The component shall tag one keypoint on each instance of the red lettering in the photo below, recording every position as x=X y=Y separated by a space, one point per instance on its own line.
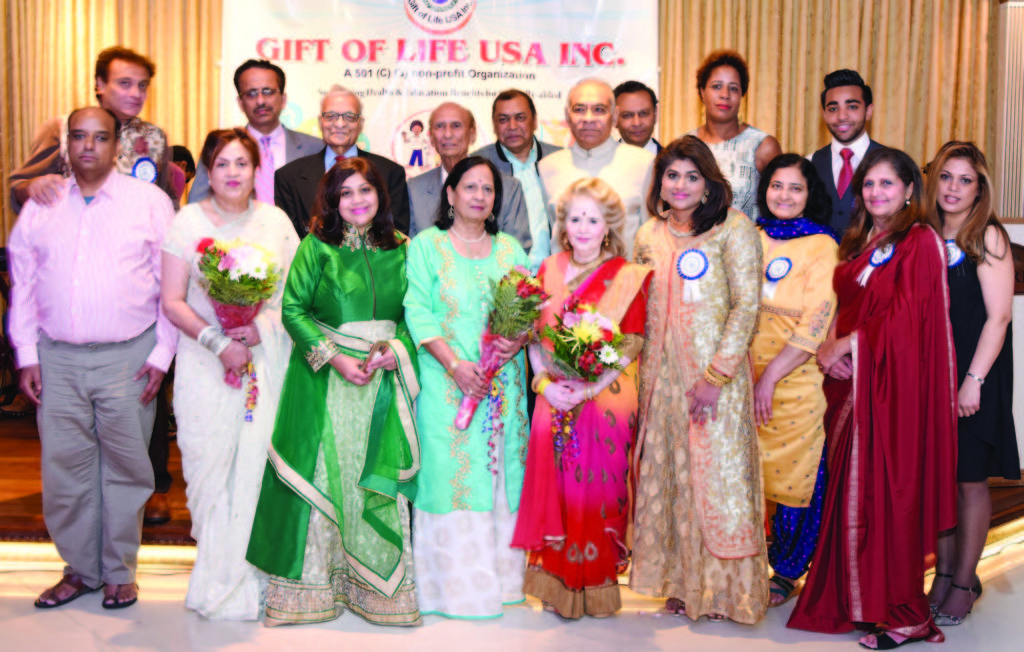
x=512 y=52
x=353 y=50
x=485 y=56
x=376 y=47
x=267 y=48
x=599 y=54
x=457 y=52
x=535 y=55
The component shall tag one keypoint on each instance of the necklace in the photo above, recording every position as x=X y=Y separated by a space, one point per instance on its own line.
x=231 y=217
x=465 y=239
x=678 y=234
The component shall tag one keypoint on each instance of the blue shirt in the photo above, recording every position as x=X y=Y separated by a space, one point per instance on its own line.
x=526 y=174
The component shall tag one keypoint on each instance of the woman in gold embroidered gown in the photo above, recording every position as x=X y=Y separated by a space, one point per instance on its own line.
x=699 y=535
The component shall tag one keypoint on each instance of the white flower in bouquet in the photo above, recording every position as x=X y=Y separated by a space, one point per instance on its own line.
x=608 y=355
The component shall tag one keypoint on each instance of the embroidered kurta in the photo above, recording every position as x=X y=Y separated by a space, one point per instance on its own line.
x=332 y=525
x=699 y=514
x=449 y=296
x=796 y=312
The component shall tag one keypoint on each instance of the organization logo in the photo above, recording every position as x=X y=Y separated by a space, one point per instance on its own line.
x=440 y=16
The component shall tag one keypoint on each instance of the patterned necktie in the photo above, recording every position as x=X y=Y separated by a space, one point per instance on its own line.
x=846 y=173
x=265 y=173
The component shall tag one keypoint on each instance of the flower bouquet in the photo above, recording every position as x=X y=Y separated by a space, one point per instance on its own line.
x=517 y=300
x=238 y=278
x=585 y=342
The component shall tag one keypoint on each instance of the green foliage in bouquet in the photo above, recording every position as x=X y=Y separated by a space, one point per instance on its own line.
x=517 y=298
x=237 y=274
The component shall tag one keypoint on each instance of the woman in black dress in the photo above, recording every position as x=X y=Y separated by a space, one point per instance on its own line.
x=980 y=300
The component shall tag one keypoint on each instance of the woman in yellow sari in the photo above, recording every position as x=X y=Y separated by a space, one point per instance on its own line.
x=797 y=304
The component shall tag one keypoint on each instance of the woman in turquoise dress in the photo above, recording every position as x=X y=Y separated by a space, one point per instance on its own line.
x=469 y=485
x=332 y=524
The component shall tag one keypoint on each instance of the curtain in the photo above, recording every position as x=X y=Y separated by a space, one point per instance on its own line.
x=50 y=49
x=931 y=65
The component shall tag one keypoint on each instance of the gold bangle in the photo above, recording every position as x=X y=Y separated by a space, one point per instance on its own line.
x=715 y=378
x=452 y=366
x=537 y=381
x=540 y=386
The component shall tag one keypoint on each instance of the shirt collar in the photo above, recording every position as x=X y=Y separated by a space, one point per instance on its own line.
x=276 y=136
x=108 y=188
x=859 y=146
x=603 y=149
x=330 y=156
x=531 y=158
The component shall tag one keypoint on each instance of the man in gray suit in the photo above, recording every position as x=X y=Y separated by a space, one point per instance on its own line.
x=260 y=86
x=516 y=154
x=452 y=130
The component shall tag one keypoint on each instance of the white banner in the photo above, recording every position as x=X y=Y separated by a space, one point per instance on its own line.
x=404 y=57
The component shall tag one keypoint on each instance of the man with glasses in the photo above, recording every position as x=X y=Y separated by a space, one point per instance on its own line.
x=341 y=122
x=261 y=97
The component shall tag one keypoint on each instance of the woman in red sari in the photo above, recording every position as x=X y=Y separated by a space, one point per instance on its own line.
x=891 y=417
x=575 y=501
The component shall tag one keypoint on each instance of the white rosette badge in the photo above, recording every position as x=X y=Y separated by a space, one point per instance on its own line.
x=777 y=270
x=881 y=256
x=145 y=169
x=954 y=254
x=692 y=264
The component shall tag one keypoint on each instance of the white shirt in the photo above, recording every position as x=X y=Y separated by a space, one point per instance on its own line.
x=859 y=147
x=277 y=145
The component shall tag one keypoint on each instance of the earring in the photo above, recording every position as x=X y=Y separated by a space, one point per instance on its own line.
x=907 y=203
x=704 y=199
x=607 y=239
x=451 y=213
x=491 y=218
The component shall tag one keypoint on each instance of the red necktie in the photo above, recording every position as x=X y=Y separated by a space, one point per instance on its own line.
x=846 y=173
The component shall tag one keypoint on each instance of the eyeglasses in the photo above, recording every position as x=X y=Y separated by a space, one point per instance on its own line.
x=256 y=92
x=331 y=117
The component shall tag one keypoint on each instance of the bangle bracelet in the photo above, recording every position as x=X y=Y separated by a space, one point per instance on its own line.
x=538 y=379
x=540 y=386
x=212 y=339
x=981 y=381
x=452 y=366
x=715 y=377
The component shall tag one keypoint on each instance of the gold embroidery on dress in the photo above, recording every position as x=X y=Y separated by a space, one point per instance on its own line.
x=819 y=322
x=321 y=353
x=353 y=241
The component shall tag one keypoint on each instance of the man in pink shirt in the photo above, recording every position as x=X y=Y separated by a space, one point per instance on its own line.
x=93 y=345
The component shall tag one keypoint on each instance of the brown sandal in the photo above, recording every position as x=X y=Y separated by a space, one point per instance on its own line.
x=675 y=606
x=116 y=601
x=72 y=580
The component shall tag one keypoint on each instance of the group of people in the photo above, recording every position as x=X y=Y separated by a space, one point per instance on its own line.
x=822 y=341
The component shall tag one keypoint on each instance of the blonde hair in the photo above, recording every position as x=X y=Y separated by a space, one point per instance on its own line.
x=611 y=209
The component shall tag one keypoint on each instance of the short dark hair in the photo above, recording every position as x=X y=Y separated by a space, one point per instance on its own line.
x=819 y=204
x=511 y=94
x=327 y=223
x=690 y=148
x=444 y=221
x=846 y=77
x=263 y=64
x=106 y=57
x=181 y=153
x=415 y=123
x=720 y=58
x=218 y=139
x=117 y=122
x=633 y=86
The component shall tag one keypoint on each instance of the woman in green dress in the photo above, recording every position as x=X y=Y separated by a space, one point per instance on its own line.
x=470 y=482
x=332 y=524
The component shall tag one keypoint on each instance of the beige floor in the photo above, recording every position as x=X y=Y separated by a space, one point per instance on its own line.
x=160 y=622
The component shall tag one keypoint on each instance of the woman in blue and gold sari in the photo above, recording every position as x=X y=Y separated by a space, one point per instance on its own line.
x=332 y=524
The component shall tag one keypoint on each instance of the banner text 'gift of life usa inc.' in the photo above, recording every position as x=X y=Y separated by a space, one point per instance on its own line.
x=404 y=57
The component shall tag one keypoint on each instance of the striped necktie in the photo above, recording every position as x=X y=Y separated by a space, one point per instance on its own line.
x=265 y=173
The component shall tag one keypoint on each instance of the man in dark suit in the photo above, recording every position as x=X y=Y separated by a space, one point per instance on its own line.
x=638 y=114
x=846 y=106
x=452 y=130
x=261 y=97
x=341 y=122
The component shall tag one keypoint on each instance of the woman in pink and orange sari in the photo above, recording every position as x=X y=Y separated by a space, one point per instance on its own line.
x=576 y=497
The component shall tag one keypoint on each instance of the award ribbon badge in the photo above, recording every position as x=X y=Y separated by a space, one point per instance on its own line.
x=777 y=270
x=692 y=264
x=881 y=256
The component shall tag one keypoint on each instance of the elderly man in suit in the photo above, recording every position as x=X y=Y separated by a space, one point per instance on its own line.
x=591 y=114
x=341 y=122
x=452 y=130
x=261 y=96
x=846 y=106
x=516 y=153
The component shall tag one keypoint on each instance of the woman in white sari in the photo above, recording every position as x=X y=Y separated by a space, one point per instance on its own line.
x=223 y=454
